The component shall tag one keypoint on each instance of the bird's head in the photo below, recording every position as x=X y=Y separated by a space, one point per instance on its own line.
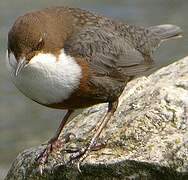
x=34 y=34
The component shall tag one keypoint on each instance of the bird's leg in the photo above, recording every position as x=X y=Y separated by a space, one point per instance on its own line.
x=53 y=143
x=112 y=106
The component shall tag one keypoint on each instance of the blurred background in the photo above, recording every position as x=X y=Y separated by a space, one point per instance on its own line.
x=23 y=123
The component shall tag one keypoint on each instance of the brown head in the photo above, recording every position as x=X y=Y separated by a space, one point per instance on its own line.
x=40 y=31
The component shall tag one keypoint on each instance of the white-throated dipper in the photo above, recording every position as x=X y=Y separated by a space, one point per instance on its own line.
x=68 y=58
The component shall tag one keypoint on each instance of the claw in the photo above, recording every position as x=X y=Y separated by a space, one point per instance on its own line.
x=78 y=167
x=41 y=167
x=53 y=147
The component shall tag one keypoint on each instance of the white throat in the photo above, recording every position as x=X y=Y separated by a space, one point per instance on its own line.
x=47 y=79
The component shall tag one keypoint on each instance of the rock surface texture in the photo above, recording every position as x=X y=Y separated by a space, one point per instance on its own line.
x=147 y=138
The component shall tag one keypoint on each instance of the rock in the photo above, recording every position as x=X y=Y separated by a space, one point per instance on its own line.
x=147 y=138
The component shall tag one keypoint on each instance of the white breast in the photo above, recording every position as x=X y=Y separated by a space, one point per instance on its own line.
x=46 y=79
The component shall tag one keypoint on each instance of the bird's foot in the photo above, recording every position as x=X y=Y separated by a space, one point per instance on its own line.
x=80 y=154
x=53 y=148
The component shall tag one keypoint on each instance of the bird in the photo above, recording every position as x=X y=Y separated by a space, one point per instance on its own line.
x=70 y=58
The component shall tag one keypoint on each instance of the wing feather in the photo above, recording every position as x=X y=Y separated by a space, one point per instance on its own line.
x=108 y=53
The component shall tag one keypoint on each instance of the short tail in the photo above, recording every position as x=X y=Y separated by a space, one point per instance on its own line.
x=167 y=31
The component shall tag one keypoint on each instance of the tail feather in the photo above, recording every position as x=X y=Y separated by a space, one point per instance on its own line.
x=167 y=31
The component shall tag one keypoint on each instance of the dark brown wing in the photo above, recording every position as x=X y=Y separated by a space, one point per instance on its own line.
x=108 y=53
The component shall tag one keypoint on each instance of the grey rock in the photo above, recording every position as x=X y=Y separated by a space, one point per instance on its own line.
x=147 y=138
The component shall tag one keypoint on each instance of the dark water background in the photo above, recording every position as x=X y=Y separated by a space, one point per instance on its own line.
x=23 y=123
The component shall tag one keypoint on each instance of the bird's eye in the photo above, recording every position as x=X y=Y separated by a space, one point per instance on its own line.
x=39 y=46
